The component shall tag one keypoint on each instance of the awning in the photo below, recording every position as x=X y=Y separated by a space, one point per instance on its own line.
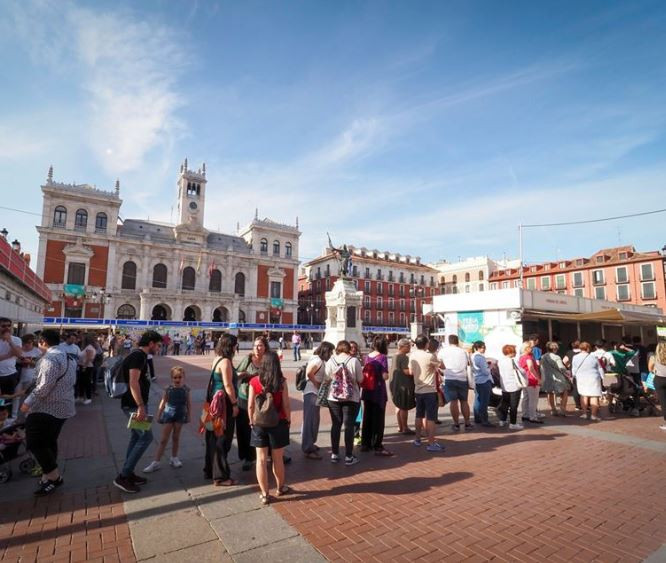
x=608 y=316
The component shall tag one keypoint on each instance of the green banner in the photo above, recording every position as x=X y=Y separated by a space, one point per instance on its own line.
x=74 y=290
x=277 y=303
x=469 y=326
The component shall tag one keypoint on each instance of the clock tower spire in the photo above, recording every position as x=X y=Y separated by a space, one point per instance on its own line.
x=191 y=197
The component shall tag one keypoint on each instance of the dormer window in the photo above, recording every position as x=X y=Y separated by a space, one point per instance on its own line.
x=600 y=259
x=563 y=264
x=624 y=255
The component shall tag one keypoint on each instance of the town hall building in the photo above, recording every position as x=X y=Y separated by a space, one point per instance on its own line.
x=98 y=265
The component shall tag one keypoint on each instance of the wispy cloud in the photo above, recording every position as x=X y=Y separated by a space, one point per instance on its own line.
x=128 y=70
x=15 y=145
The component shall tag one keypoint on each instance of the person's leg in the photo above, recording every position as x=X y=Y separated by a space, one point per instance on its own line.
x=551 y=402
x=307 y=431
x=243 y=434
x=455 y=412
x=175 y=440
x=164 y=440
x=142 y=441
x=660 y=390
x=483 y=395
x=418 y=421
x=514 y=401
x=576 y=395
x=594 y=406
x=295 y=350
x=367 y=426
x=503 y=408
x=533 y=393
x=349 y=412
x=278 y=467
x=563 y=401
x=262 y=471
x=584 y=405
x=379 y=424
x=210 y=454
x=88 y=382
x=336 y=424
x=400 y=419
x=41 y=432
x=477 y=404
x=463 y=392
x=525 y=405
x=78 y=385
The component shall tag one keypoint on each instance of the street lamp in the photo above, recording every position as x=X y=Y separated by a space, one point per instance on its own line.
x=103 y=298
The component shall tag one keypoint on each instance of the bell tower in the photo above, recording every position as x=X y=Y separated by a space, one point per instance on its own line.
x=191 y=197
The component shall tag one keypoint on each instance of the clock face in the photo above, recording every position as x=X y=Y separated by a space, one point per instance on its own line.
x=193 y=205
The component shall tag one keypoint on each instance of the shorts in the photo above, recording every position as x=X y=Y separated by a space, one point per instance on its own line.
x=427 y=406
x=170 y=414
x=455 y=390
x=276 y=437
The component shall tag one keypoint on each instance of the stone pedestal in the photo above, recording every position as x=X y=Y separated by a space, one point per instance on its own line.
x=343 y=304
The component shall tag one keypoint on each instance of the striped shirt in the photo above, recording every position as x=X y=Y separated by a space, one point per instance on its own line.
x=54 y=390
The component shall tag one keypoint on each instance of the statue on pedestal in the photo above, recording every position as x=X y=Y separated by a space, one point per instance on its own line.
x=343 y=256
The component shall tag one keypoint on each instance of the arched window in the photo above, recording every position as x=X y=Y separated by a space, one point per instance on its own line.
x=241 y=316
x=287 y=249
x=276 y=248
x=100 y=223
x=126 y=311
x=466 y=276
x=189 y=278
x=129 y=276
x=454 y=278
x=160 y=276
x=263 y=246
x=60 y=217
x=239 y=284
x=480 y=275
x=81 y=220
x=215 y=283
x=221 y=315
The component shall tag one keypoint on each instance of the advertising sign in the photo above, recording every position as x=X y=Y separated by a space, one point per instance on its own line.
x=469 y=326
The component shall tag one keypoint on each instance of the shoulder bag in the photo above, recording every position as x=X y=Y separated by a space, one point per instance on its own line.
x=520 y=376
x=207 y=420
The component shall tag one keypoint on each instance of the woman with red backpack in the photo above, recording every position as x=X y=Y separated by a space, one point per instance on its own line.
x=343 y=377
x=374 y=396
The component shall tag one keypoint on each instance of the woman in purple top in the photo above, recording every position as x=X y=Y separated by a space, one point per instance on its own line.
x=374 y=396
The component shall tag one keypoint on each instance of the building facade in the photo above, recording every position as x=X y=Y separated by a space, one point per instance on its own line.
x=394 y=287
x=23 y=295
x=99 y=266
x=619 y=274
x=470 y=274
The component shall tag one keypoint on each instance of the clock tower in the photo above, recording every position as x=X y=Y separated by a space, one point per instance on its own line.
x=191 y=203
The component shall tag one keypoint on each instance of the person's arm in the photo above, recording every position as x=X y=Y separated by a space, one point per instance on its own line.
x=135 y=390
x=531 y=366
x=651 y=363
x=228 y=382
x=358 y=370
x=160 y=409
x=312 y=372
x=285 y=402
x=14 y=350
x=250 y=405
x=189 y=405
x=385 y=375
x=48 y=375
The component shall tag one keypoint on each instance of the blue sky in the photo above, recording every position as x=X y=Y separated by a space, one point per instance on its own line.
x=427 y=128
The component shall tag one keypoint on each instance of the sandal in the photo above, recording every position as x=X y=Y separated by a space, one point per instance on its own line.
x=384 y=453
x=227 y=483
x=265 y=499
x=283 y=490
x=312 y=455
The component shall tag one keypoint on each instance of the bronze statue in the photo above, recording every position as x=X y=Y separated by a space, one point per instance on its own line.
x=343 y=256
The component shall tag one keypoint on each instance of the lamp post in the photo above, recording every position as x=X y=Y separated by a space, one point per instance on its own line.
x=103 y=298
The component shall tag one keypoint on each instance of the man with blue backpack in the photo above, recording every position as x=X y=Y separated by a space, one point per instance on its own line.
x=133 y=372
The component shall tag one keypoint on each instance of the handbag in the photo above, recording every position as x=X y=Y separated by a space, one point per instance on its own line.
x=208 y=422
x=441 y=397
x=470 y=375
x=322 y=393
x=520 y=376
x=265 y=413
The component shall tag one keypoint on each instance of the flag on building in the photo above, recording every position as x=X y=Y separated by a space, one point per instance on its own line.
x=211 y=268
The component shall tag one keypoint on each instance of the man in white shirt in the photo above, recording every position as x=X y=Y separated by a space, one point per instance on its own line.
x=70 y=347
x=10 y=350
x=456 y=387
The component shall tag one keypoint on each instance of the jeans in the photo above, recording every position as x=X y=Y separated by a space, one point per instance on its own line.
x=84 y=382
x=660 y=390
x=483 y=391
x=41 y=434
x=372 y=431
x=139 y=442
x=297 y=352
x=342 y=411
x=310 y=423
x=509 y=405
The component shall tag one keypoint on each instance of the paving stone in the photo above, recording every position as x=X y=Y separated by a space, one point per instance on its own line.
x=291 y=550
x=249 y=530
x=212 y=551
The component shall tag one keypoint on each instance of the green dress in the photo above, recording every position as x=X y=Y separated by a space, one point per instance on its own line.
x=402 y=386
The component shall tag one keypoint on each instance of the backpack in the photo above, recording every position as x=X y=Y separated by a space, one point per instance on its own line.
x=369 y=376
x=301 y=378
x=114 y=377
x=265 y=414
x=342 y=387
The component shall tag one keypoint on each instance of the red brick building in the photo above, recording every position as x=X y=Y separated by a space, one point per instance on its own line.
x=394 y=287
x=615 y=274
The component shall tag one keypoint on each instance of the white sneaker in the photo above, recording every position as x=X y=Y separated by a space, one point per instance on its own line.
x=87 y=401
x=516 y=426
x=154 y=466
x=662 y=427
x=503 y=423
x=175 y=462
x=335 y=458
x=541 y=415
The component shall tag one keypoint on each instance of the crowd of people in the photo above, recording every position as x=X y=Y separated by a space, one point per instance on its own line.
x=247 y=398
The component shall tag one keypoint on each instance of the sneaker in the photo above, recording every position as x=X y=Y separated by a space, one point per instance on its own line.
x=469 y=426
x=455 y=427
x=662 y=427
x=125 y=484
x=335 y=458
x=541 y=415
x=87 y=402
x=351 y=460
x=151 y=467
x=487 y=425
x=585 y=416
x=503 y=423
x=58 y=482
x=535 y=420
x=175 y=462
x=434 y=447
x=137 y=480
x=47 y=487
x=417 y=443
x=516 y=427
x=595 y=419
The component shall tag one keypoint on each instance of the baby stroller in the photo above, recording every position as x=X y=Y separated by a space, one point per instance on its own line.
x=12 y=447
x=496 y=393
x=625 y=395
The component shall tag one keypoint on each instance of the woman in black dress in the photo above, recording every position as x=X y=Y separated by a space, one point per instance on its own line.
x=402 y=386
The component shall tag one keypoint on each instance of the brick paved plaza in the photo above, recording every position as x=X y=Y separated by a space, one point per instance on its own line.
x=567 y=491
